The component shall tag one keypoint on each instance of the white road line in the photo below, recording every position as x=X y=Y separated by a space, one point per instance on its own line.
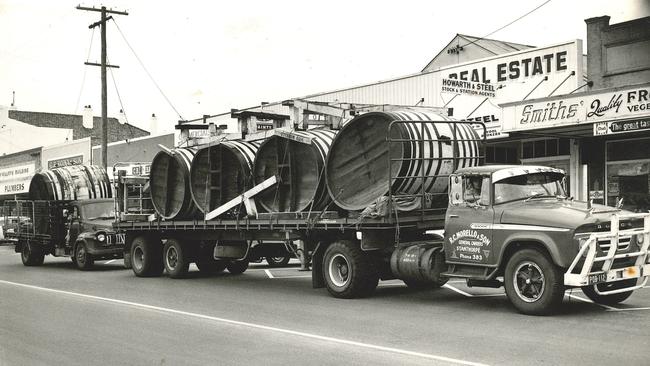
x=252 y=325
x=268 y=273
x=391 y=284
x=111 y=261
x=489 y=295
x=628 y=309
x=446 y=285
x=275 y=277
x=610 y=308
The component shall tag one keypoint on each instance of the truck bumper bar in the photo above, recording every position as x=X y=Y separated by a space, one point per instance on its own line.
x=586 y=276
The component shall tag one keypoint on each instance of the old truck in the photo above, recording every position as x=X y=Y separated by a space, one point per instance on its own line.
x=81 y=230
x=504 y=226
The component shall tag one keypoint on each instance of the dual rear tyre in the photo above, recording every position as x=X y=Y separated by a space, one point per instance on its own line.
x=146 y=257
x=348 y=271
x=31 y=254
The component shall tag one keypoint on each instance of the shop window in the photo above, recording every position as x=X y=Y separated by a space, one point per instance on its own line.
x=545 y=148
x=628 y=150
x=628 y=174
x=501 y=155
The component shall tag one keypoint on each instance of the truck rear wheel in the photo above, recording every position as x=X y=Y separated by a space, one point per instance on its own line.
x=348 y=271
x=237 y=267
x=30 y=255
x=175 y=258
x=613 y=299
x=206 y=262
x=534 y=284
x=146 y=257
x=82 y=259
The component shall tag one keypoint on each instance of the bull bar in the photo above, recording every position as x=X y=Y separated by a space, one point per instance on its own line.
x=640 y=269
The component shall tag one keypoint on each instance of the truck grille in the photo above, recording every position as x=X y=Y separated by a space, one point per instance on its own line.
x=623 y=243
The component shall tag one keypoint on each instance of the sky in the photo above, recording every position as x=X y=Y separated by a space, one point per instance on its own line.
x=210 y=56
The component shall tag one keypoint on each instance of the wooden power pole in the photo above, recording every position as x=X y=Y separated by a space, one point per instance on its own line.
x=103 y=65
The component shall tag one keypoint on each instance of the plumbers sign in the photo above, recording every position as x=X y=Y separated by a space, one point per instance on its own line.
x=606 y=110
x=476 y=89
x=15 y=179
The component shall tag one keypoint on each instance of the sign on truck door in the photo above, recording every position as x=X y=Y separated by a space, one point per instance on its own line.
x=469 y=221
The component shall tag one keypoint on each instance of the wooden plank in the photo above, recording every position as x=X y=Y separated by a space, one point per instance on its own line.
x=242 y=198
x=290 y=135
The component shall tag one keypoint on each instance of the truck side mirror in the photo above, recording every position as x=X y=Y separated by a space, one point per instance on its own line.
x=455 y=190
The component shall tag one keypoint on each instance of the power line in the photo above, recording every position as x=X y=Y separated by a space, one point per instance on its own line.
x=512 y=22
x=147 y=71
x=119 y=98
x=83 y=79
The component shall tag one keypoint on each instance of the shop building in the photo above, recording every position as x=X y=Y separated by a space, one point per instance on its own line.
x=49 y=140
x=607 y=126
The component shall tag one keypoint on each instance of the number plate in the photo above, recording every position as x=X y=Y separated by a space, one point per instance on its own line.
x=596 y=278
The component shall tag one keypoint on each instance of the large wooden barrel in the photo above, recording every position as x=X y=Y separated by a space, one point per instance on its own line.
x=74 y=182
x=221 y=172
x=300 y=166
x=357 y=166
x=169 y=182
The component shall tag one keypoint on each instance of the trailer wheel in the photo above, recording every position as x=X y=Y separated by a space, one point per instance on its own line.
x=534 y=284
x=613 y=299
x=348 y=271
x=82 y=258
x=175 y=258
x=146 y=257
x=278 y=261
x=237 y=267
x=30 y=255
x=206 y=262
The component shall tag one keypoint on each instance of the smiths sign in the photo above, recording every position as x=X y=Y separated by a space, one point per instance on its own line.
x=16 y=179
x=612 y=107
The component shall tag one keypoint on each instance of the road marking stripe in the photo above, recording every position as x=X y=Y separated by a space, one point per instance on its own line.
x=275 y=277
x=446 y=285
x=252 y=325
x=610 y=308
x=111 y=261
x=628 y=309
x=268 y=273
x=489 y=295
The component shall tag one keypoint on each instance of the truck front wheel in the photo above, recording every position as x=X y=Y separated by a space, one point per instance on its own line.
x=613 y=299
x=175 y=258
x=534 y=284
x=146 y=257
x=30 y=255
x=82 y=259
x=348 y=271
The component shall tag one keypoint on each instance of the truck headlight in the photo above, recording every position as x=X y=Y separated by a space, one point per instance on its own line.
x=101 y=237
x=640 y=238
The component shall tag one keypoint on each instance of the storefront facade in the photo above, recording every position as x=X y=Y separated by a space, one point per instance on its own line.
x=608 y=134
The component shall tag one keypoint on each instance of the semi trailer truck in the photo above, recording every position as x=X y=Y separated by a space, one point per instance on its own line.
x=505 y=226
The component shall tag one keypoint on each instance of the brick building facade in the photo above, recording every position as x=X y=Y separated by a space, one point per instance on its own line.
x=116 y=130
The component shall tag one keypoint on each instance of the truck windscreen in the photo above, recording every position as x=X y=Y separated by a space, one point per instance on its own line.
x=98 y=210
x=528 y=186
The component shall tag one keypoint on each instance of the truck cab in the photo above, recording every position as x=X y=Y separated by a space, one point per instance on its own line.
x=514 y=226
x=90 y=233
x=79 y=229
